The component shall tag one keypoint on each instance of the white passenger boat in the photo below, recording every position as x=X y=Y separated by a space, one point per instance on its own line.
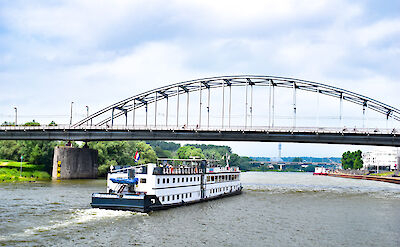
x=168 y=183
x=320 y=171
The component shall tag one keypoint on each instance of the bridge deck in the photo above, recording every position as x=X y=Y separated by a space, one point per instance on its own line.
x=380 y=137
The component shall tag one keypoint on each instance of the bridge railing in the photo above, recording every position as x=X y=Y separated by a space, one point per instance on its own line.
x=196 y=128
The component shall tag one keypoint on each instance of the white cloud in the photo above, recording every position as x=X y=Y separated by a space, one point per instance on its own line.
x=381 y=30
x=98 y=52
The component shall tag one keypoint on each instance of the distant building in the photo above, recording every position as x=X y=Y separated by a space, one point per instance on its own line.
x=383 y=158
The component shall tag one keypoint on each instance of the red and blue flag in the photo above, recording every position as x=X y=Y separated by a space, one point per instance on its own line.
x=136 y=157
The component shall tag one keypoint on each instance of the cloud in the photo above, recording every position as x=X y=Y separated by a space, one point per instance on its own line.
x=383 y=30
x=98 y=52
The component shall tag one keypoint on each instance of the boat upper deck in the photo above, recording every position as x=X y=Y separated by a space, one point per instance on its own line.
x=180 y=167
x=190 y=166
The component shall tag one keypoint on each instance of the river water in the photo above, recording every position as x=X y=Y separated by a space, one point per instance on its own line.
x=276 y=209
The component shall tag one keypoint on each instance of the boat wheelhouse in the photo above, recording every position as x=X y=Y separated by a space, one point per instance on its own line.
x=168 y=183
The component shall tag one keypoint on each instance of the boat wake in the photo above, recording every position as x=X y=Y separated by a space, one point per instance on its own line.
x=77 y=217
x=327 y=190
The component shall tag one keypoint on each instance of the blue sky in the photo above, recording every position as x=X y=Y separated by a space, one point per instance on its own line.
x=98 y=52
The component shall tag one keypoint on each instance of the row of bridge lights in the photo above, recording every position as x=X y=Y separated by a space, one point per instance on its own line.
x=70 y=119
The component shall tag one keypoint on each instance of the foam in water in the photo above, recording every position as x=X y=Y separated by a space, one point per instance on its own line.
x=79 y=216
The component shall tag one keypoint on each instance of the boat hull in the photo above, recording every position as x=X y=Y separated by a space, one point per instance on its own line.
x=142 y=203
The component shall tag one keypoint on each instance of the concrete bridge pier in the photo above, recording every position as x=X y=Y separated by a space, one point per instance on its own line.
x=70 y=163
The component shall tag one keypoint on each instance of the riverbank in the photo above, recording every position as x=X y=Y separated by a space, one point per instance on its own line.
x=10 y=172
x=394 y=180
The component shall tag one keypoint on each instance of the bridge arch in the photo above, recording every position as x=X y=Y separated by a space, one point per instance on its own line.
x=107 y=115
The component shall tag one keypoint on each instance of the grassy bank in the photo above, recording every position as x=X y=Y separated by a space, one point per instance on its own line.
x=384 y=174
x=10 y=172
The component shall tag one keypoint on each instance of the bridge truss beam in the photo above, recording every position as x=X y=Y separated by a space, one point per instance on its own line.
x=142 y=100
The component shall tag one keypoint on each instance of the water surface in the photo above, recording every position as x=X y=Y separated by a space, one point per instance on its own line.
x=276 y=209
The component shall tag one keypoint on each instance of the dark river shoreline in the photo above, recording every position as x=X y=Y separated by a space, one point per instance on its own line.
x=275 y=209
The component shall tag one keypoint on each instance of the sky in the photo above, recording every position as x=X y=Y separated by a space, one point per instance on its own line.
x=98 y=52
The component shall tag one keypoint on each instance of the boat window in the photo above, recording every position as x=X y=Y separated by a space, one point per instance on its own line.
x=173 y=197
x=162 y=198
x=191 y=179
x=143 y=180
x=158 y=180
x=212 y=178
x=208 y=178
x=167 y=198
x=178 y=180
x=167 y=180
x=163 y=180
x=190 y=194
x=177 y=197
x=142 y=170
x=173 y=180
x=187 y=180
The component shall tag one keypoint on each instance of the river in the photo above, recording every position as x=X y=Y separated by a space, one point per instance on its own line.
x=276 y=209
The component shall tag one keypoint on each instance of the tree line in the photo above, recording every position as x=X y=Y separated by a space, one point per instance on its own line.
x=121 y=152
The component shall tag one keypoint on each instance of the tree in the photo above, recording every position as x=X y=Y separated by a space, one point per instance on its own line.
x=297 y=159
x=188 y=151
x=358 y=163
x=147 y=154
x=120 y=153
x=170 y=146
x=33 y=123
x=352 y=160
x=34 y=152
x=161 y=153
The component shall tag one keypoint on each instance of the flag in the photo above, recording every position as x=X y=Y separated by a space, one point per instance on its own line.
x=136 y=157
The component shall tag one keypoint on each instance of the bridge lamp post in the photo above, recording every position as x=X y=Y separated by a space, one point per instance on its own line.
x=15 y=108
x=70 y=119
x=87 y=115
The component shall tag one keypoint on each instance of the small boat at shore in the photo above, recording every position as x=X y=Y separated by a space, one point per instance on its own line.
x=168 y=183
x=322 y=171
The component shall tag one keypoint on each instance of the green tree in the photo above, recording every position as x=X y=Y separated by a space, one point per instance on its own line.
x=161 y=153
x=297 y=159
x=9 y=150
x=352 y=160
x=34 y=152
x=33 y=123
x=121 y=153
x=188 y=151
x=147 y=154
x=170 y=146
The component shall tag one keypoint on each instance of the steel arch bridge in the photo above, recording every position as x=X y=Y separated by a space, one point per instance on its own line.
x=154 y=96
x=102 y=124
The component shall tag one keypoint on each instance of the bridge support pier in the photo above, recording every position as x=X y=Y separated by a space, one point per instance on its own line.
x=70 y=163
